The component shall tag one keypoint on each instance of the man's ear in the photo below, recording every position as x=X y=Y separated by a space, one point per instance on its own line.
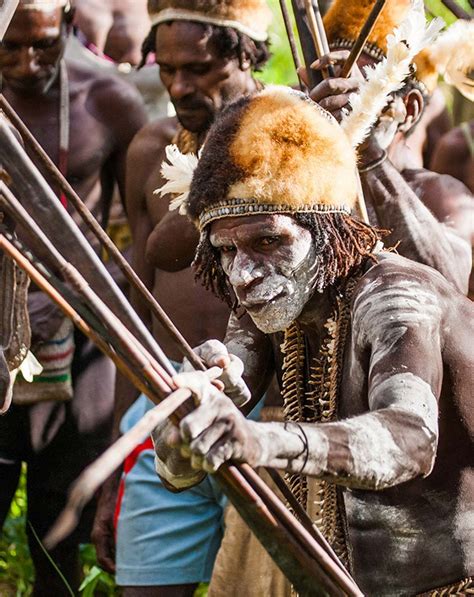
x=244 y=62
x=414 y=104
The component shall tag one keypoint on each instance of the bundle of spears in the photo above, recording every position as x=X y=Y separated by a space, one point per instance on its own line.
x=71 y=274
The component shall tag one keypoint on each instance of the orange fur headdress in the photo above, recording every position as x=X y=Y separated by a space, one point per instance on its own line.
x=344 y=21
x=251 y=17
x=276 y=152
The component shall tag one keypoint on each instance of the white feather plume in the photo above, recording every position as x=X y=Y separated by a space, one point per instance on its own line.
x=386 y=77
x=178 y=171
x=453 y=55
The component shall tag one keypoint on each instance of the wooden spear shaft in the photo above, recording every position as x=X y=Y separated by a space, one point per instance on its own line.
x=249 y=489
x=113 y=251
x=292 y=42
x=100 y=234
x=366 y=30
x=318 y=34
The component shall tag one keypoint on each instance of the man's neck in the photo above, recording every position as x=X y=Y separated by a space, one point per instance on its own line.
x=402 y=155
x=50 y=92
x=249 y=86
x=317 y=311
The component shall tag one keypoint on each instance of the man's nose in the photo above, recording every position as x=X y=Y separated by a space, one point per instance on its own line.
x=27 y=64
x=244 y=273
x=180 y=86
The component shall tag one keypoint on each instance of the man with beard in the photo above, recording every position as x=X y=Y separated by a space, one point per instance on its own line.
x=206 y=53
x=85 y=123
x=372 y=352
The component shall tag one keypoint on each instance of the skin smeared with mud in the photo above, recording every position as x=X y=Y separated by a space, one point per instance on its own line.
x=402 y=447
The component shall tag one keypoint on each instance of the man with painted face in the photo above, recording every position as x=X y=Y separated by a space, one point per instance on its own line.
x=371 y=351
x=85 y=123
x=206 y=52
x=430 y=215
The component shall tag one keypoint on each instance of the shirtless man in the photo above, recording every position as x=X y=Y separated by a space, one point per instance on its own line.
x=431 y=215
x=372 y=352
x=203 y=65
x=58 y=440
x=454 y=154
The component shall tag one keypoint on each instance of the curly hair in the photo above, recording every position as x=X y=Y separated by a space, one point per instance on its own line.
x=341 y=242
x=229 y=43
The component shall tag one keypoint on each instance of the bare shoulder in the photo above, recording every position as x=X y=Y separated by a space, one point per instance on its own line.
x=115 y=102
x=146 y=151
x=397 y=291
x=445 y=196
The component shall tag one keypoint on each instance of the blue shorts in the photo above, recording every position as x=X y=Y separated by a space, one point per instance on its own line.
x=163 y=538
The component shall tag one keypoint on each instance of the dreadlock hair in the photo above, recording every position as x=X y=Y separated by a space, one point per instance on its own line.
x=228 y=41
x=341 y=242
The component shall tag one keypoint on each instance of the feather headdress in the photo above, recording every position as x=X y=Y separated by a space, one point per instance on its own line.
x=453 y=56
x=386 y=77
x=178 y=171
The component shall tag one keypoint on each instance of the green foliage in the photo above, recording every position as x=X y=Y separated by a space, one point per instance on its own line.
x=16 y=568
x=437 y=8
x=280 y=69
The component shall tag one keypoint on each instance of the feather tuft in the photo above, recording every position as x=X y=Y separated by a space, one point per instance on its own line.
x=178 y=171
x=453 y=56
x=389 y=74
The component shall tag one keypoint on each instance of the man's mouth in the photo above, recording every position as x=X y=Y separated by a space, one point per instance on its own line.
x=254 y=306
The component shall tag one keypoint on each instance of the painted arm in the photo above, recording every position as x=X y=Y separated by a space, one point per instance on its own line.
x=393 y=442
x=245 y=349
x=422 y=236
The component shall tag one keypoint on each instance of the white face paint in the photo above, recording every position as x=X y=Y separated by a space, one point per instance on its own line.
x=389 y=122
x=271 y=263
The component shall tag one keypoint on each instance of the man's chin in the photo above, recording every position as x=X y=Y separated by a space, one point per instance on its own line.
x=193 y=122
x=272 y=323
x=36 y=87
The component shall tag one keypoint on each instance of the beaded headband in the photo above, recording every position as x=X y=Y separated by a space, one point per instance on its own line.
x=248 y=207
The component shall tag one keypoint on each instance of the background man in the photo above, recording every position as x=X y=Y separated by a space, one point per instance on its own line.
x=372 y=352
x=423 y=209
x=206 y=53
x=85 y=123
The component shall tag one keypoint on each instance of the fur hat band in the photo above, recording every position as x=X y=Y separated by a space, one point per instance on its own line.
x=250 y=17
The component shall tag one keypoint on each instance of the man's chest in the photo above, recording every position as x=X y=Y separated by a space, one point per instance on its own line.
x=89 y=145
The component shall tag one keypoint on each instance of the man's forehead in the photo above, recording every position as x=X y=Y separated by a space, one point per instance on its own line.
x=183 y=41
x=243 y=226
x=43 y=23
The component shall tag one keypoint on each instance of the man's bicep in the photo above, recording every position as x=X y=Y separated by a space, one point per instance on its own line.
x=405 y=373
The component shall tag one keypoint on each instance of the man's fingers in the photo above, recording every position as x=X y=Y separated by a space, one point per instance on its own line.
x=105 y=549
x=335 y=102
x=204 y=442
x=214 y=354
x=196 y=422
x=303 y=74
x=333 y=58
x=334 y=86
x=199 y=382
x=221 y=452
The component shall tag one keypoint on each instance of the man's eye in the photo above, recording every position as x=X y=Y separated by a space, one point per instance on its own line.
x=269 y=240
x=227 y=249
x=44 y=44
